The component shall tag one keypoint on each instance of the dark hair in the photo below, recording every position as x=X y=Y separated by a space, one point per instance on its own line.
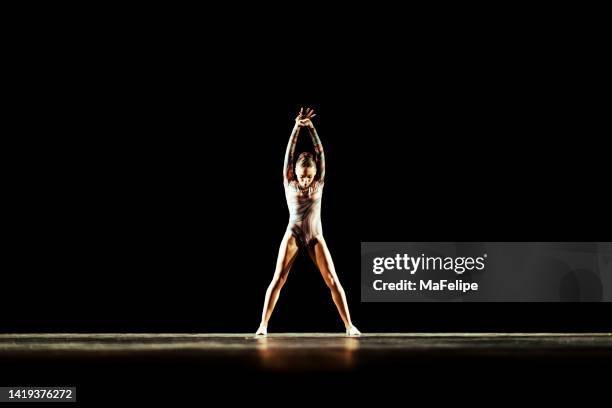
x=306 y=159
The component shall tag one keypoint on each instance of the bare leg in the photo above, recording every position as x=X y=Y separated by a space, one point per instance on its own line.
x=322 y=258
x=286 y=255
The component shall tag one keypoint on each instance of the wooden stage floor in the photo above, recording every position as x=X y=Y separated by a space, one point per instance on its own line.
x=298 y=362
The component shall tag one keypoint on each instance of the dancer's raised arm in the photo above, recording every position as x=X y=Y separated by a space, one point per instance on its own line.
x=304 y=119
x=288 y=166
x=318 y=148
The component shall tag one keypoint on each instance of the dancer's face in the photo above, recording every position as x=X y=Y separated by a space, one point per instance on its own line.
x=305 y=175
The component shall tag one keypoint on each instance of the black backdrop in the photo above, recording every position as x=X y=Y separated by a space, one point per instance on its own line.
x=146 y=192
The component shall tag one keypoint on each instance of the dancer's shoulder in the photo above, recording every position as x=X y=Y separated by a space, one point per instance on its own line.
x=291 y=185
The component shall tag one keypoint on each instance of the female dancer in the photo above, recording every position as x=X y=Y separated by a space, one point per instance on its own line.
x=304 y=190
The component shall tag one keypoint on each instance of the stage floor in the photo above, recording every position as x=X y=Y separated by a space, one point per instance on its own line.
x=306 y=351
x=240 y=368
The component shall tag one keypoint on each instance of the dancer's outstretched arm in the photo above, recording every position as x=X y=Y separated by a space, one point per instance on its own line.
x=288 y=175
x=304 y=119
x=318 y=148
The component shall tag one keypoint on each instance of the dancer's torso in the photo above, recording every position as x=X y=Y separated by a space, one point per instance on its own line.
x=305 y=210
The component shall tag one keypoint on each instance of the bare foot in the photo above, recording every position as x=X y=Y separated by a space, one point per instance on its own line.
x=353 y=331
x=262 y=331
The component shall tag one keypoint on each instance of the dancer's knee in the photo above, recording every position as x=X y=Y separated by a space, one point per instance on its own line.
x=332 y=283
x=279 y=280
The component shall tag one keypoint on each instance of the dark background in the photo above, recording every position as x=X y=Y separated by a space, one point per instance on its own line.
x=145 y=191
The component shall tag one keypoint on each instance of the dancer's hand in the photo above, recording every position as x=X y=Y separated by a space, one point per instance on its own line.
x=303 y=119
